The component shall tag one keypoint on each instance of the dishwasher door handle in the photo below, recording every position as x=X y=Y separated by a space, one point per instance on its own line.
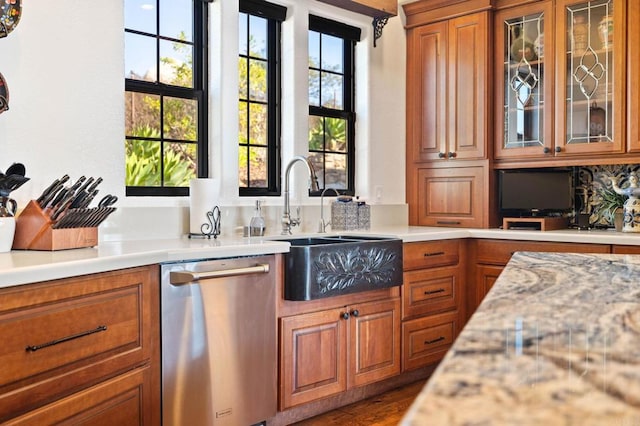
x=185 y=277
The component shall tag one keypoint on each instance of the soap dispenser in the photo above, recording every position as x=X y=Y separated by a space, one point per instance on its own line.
x=257 y=225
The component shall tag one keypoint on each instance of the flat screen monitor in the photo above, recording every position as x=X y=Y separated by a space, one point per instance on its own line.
x=535 y=192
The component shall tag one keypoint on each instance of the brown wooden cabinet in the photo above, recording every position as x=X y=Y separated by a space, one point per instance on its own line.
x=488 y=258
x=67 y=344
x=327 y=352
x=448 y=112
x=560 y=82
x=432 y=300
x=633 y=86
x=450 y=197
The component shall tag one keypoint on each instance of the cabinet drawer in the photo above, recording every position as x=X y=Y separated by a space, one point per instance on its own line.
x=426 y=340
x=431 y=291
x=123 y=400
x=63 y=335
x=498 y=252
x=430 y=254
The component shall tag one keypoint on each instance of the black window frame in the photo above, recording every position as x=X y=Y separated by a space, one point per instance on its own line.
x=350 y=36
x=274 y=14
x=199 y=93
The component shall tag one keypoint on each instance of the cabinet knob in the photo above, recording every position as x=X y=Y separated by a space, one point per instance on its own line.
x=441 y=155
x=345 y=315
x=558 y=149
x=546 y=150
x=355 y=313
x=452 y=154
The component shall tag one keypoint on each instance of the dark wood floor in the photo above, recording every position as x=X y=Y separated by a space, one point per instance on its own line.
x=381 y=410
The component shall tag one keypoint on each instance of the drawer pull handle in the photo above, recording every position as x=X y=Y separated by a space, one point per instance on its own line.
x=440 y=290
x=448 y=222
x=66 y=339
x=429 y=342
x=435 y=253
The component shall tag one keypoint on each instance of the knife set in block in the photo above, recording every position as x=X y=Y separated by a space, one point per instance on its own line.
x=36 y=230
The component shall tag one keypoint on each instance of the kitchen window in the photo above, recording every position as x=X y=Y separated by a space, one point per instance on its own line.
x=331 y=102
x=165 y=95
x=259 y=97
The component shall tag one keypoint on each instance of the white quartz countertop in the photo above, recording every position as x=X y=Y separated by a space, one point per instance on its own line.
x=21 y=267
x=555 y=342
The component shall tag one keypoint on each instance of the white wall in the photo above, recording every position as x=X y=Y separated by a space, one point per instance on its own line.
x=64 y=68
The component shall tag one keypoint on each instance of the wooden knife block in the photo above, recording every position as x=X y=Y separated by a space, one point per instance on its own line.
x=34 y=232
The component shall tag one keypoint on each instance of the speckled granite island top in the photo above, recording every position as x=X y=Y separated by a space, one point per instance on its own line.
x=555 y=342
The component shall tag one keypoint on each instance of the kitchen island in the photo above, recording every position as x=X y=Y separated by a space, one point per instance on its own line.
x=556 y=342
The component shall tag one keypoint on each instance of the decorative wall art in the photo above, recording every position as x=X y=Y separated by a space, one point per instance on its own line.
x=10 y=13
x=4 y=95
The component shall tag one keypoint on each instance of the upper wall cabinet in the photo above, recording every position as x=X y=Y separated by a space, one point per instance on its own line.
x=524 y=72
x=590 y=78
x=446 y=71
x=568 y=77
x=633 y=86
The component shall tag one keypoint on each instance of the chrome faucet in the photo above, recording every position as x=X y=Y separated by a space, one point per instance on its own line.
x=287 y=221
x=323 y=225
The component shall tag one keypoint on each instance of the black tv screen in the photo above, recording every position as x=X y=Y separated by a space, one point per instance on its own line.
x=531 y=192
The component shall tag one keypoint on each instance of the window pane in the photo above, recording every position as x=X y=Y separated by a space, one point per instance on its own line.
x=139 y=57
x=258 y=80
x=140 y=15
x=242 y=78
x=176 y=19
x=258 y=124
x=142 y=115
x=317 y=160
x=335 y=134
x=179 y=164
x=316 y=133
x=314 y=49
x=243 y=167
x=314 y=88
x=258 y=37
x=258 y=167
x=176 y=64
x=180 y=119
x=242 y=34
x=335 y=172
x=242 y=123
x=332 y=53
x=332 y=91
x=142 y=163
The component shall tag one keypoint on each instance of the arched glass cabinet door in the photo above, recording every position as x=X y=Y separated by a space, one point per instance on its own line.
x=524 y=76
x=591 y=76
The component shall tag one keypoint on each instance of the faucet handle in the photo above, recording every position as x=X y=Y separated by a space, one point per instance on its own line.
x=295 y=221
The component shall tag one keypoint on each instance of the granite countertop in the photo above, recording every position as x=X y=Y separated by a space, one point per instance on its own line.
x=22 y=267
x=555 y=342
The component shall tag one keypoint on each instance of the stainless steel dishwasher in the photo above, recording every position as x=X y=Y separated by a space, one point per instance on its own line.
x=219 y=348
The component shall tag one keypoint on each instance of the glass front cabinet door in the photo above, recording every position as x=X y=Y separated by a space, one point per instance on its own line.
x=524 y=81
x=591 y=77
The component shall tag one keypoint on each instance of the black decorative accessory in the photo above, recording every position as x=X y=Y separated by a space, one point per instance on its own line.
x=211 y=228
x=10 y=13
x=378 y=24
x=4 y=95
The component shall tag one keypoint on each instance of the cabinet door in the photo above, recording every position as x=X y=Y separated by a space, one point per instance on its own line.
x=427 y=91
x=468 y=94
x=590 y=76
x=633 y=86
x=451 y=197
x=313 y=356
x=524 y=81
x=374 y=342
x=486 y=276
